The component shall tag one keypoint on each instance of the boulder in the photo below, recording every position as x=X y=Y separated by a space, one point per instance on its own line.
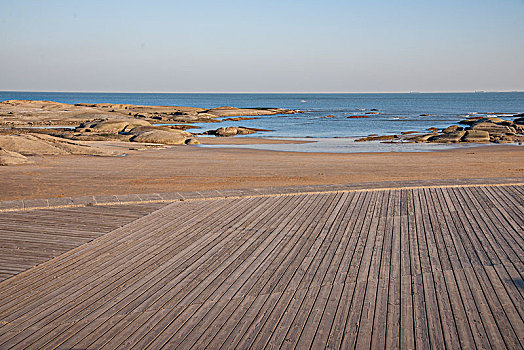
x=28 y=145
x=504 y=139
x=141 y=129
x=492 y=128
x=245 y=131
x=173 y=137
x=40 y=144
x=470 y=120
x=229 y=131
x=192 y=141
x=495 y=120
x=114 y=126
x=519 y=121
x=452 y=128
x=419 y=138
x=477 y=136
x=450 y=137
x=11 y=158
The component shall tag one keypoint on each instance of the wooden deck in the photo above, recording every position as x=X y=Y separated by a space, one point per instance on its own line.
x=28 y=238
x=402 y=268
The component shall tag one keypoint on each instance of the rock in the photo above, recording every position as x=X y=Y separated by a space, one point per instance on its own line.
x=114 y=126
x=232 y=131
x=247 y=131
x=236 y=119
x=172 y=137
x=432 y=129
x=12 y=158
x=328 y=116
x=424 y=115
x=235 y=112
x=519 y=121
x=40 y=144
x=505 y=139
x=477 y=136
x=420 y=138
x=447 y=137
x=470 y=120
x=226 y=131
x=141 y=129
x=358 y=116
x=495 y=120
x=492 y=128
x=377 y=138
x=452 y=128
x=192 y=141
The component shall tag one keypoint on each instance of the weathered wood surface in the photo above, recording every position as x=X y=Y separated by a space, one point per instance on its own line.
x=400 y=268
x=29 y=238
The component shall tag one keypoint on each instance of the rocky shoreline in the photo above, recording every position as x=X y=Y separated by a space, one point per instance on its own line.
x=52 y=128
x=475 y=130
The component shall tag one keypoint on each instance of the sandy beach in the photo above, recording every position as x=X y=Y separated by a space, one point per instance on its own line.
x=192 y=168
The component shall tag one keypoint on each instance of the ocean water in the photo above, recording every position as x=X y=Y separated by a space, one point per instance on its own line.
x=397 y=112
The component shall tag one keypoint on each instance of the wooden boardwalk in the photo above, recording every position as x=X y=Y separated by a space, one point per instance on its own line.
x=401 y=268
x=28 y=238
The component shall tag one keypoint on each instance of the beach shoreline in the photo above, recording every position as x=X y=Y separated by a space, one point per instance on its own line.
x=185 y=168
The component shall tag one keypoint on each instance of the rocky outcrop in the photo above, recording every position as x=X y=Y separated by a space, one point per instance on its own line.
x=228 y=111
x=476 y=136
x=112 y=126
x=492 y=128
x=452 y=128
x=478 y=130
x=23 y=113
x=230 y=131
x=450 y=137
x=420 y=138
x=39 y=144
x=378 y=138
x=192 y=141
x=11 y=158
x=161 y=136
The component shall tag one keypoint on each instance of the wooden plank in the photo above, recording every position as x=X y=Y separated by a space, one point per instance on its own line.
x=447 y=253
x=220 y=296
x=412 y=268
x=479 y=295
x=470 y=314
x=347 y=276
x=428 y=260
x=132 y=301
x=267 y=281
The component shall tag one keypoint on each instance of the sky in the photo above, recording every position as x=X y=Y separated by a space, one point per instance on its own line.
x=262 y=46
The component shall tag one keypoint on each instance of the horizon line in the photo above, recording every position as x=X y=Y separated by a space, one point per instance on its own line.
x=264 y=92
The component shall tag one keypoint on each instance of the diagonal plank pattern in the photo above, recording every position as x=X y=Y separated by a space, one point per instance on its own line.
x=29 y=238
x=399 y=268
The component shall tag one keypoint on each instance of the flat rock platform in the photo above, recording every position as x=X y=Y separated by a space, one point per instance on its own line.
x=419 y=265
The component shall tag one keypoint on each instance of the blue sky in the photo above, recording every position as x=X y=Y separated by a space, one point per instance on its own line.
x=262 y=46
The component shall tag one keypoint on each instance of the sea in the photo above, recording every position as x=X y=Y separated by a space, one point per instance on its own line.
x=393 y=114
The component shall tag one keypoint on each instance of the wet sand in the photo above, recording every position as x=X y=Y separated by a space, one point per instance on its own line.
x=186 y=168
